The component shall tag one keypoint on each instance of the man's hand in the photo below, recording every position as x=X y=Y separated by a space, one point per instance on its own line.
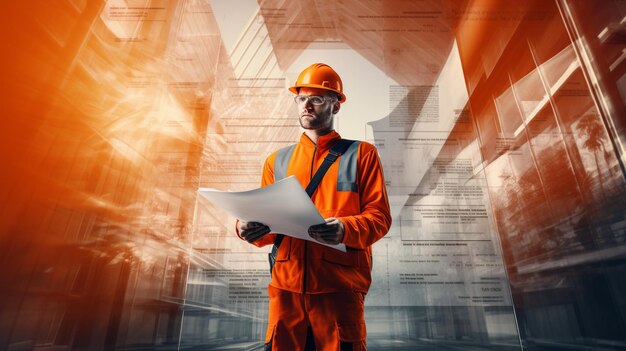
x=330 y=232
x=252 y=231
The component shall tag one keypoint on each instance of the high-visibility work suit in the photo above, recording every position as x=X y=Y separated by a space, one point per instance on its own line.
x=314 y=287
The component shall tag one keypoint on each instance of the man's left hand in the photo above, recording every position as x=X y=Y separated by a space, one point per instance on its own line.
x=330 y=232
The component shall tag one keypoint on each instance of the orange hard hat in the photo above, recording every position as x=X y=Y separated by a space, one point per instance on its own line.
x=321 y=76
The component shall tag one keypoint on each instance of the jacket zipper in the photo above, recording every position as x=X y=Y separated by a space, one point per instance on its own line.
x=306 y=241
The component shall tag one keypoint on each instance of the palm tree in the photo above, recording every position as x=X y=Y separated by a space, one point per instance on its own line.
x=590 y=127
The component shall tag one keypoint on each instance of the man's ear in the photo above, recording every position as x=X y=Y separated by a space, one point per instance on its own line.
x=336 y=107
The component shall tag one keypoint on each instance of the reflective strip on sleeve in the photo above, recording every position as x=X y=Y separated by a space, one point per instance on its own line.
x=281 y=162
x=346 y=179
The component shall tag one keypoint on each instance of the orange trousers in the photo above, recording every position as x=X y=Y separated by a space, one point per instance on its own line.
x=334 y=321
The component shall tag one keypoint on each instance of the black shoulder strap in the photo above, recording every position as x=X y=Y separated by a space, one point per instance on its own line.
x=337 y=150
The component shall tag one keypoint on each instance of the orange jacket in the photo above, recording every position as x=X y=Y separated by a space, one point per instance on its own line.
x=357 y=197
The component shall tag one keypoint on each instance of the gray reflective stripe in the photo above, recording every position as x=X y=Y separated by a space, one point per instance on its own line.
x=282 y=161
x=346 y=178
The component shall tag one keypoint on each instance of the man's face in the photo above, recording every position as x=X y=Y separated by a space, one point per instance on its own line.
x=317 y=117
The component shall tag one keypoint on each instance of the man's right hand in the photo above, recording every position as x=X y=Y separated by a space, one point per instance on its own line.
x=252 y=231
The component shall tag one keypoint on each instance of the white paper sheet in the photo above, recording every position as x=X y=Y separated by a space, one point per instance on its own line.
x=283 y=206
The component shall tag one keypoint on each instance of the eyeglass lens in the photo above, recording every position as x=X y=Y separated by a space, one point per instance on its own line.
x=315 y=100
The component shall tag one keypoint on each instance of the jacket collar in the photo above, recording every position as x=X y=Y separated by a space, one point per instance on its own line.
x=323 y=142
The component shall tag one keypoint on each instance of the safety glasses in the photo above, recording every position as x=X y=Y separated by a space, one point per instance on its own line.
x=314 y=99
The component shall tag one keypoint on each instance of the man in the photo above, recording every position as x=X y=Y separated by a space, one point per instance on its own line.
x=317 y=292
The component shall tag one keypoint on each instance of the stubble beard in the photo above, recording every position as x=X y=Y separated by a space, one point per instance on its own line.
x=317 y=123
